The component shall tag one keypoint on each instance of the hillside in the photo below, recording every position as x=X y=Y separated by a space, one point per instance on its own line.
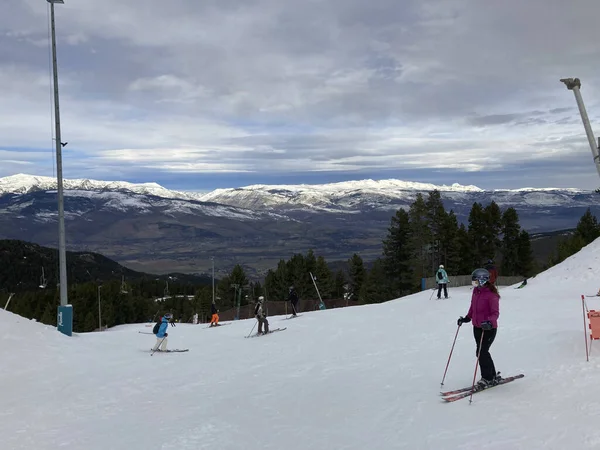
x=353 y=378
x=21 y=265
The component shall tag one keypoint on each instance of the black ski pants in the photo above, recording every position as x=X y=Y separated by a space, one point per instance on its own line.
x=262 y=321
x=445 y=286
x=486 y=363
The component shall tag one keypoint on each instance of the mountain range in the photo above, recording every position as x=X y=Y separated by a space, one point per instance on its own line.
x=148 y=227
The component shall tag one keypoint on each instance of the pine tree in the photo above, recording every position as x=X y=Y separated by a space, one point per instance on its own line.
x=493 y=226
x=324 y=277
x=477 y=233
x=467 y=254
x=525 y=265
x=510 y=242
x=420 y=241
x=310 y=262
x=375 y=287
x=340 y=283
x=91 y=322
x=357 y=275
x=397 y=251
x=299 y=276
x=588 y=227
x=451 y=249
x=436 y=221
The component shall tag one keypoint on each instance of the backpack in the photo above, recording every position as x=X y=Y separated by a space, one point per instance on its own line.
x=157 y=326
x=439 y=275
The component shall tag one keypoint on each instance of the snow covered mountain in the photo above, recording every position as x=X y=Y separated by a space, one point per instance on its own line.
x=151 y=228
x=25 y=184
x=358 y=378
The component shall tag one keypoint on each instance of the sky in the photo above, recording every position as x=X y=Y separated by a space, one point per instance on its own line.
x=212 y=94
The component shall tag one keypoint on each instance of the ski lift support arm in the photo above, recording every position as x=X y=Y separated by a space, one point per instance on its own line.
x=574 y=84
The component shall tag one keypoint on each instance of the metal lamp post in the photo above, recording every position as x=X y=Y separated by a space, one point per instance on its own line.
x=65 y=316
x=574 y=84
x=213 y=278
x=99 y=311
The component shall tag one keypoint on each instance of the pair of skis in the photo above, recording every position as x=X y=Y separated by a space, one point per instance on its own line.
x=292 y=317
x=175 y=350
x=270 y=331
x=452 y=396
x=219 y=325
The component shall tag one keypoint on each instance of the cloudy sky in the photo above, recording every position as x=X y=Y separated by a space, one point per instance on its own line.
x=223 y=93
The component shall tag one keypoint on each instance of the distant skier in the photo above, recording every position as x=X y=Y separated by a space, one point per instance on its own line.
x=261 y=315
x=214 y=321
x=491 y=268
x=293 y=299
x=441 y=278
x=161 y=335
x=484 y=311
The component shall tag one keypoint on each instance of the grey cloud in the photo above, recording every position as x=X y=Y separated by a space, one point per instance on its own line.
x=494 y=119
x=186 y=73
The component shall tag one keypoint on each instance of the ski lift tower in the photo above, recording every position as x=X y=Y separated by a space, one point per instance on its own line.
x=65 y=310
x=574 y=84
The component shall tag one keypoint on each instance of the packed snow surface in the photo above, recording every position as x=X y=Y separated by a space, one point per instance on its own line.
x=366 y=377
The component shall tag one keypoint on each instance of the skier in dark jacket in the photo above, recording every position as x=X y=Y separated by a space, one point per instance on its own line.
x=214 y=321
x=293 y=298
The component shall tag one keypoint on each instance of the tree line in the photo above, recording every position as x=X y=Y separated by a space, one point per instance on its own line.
x=417 y=241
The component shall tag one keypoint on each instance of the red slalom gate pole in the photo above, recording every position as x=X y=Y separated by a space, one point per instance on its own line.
x=587 y=354
x=476 y=366
x=450 y=356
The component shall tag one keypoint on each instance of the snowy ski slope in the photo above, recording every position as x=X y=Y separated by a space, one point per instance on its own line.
x=359 y=378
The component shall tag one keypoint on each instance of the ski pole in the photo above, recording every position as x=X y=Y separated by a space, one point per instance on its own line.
x=156 y=348
x=432 y=292
x=251 y=329
x=450 y=356
x=476 y=366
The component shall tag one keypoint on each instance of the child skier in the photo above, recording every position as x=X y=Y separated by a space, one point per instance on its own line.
x=261 y=315
x=484 y=312
x=441 y=277
x=161 y=335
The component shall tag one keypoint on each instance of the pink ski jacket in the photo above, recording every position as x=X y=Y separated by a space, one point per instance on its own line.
x=485 y=305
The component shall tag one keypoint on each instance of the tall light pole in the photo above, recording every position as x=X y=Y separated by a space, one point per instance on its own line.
x=574 y=84
x=213 y=278
x=62 y=253
x=99 y=311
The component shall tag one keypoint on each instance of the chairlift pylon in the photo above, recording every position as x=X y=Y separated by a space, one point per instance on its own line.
x=43 y=282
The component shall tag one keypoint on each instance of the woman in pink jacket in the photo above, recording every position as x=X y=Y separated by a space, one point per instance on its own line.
x=484 y=312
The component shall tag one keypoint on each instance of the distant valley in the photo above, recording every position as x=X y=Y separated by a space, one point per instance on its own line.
x=149 y=228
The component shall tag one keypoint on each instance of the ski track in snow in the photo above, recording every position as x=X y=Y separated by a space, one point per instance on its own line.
x=366 y=377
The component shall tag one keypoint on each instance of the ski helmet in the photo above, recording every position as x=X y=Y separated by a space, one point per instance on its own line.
x=441 y=266
x=261 y=299
x=480 y=276
x=168 y=316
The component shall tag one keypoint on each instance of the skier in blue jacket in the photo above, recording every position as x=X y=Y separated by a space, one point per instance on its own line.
x=441 y=277
x=161 y=336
